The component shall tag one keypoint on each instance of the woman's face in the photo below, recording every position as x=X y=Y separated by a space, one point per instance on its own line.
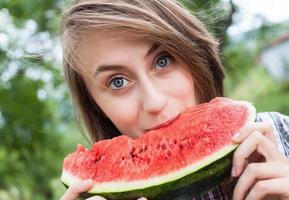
x=137 y=84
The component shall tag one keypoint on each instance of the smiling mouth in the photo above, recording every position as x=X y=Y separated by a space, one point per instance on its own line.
x=166 y=123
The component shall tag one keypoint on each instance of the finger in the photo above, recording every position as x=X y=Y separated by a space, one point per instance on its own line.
x=73 y=191
x=96 y=198
x=264 y=127
x=258 y=171
x=255 y=142
x=101 y=198
x=278 y=186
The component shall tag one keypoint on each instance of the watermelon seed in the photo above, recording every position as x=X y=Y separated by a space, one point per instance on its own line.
x=158 y=146
x=132 y=154
x=169 y=153
x=164 y=146
x=185 y=142
x=97 y=159
x=175 y=141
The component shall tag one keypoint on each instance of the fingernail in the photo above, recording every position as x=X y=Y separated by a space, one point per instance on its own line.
x=236 y=136
x=89 y=181
x=233 y=172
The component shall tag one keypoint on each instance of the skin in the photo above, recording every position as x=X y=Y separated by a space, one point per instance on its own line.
x=262 y=170
x=150 y=94
x=151 y=89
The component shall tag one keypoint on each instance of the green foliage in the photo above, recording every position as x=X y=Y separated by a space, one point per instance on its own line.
x=32 y=134
x=258 y=87
x=249 y=81
x=28 y=138
x=216 y=15
x=44 y=12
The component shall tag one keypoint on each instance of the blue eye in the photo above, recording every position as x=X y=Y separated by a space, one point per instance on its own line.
x=117 y=83
x=163 y=61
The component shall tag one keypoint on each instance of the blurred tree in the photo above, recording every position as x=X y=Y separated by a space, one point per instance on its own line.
x=31 y=145
x=28 y=138
x=248 y=80
x=217 y=15
x=44 y=12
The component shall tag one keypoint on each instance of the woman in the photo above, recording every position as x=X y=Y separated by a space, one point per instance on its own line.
x=133 y=65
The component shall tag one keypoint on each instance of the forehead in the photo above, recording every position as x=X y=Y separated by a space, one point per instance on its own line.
x=99 y=48
x=101 y=42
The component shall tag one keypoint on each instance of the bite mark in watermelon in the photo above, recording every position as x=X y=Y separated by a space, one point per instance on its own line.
x=193 y=152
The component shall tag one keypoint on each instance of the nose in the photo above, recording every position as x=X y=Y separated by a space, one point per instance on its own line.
x=154 y=100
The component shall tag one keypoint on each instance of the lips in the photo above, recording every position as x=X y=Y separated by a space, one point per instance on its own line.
x=165 y=123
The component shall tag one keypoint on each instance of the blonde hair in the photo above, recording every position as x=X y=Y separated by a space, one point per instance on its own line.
x=165 y=22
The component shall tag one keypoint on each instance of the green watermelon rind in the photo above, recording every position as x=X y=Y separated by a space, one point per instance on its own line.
x=205 y=171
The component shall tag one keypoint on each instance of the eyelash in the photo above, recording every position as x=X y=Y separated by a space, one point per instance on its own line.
x=158 y=57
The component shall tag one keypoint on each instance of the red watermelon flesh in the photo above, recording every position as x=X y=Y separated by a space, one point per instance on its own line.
x=195 y=134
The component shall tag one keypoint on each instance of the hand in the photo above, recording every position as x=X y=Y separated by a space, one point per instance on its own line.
x=262 y=127
x=73 y=192
x=259 y=179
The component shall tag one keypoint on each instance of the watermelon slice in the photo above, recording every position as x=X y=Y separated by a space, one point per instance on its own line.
x=191 y=154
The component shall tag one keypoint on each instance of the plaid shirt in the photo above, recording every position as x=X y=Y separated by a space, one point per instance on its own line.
x=280 y=124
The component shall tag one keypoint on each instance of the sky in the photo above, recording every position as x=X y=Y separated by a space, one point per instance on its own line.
x=273 y=10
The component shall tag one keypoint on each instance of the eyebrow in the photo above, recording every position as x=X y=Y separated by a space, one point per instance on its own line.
x=102 y=68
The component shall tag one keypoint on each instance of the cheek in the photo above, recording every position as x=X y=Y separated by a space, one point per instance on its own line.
x=121 y=111
x=181 y=86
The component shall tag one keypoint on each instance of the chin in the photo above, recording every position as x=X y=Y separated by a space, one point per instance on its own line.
x=134 y=135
